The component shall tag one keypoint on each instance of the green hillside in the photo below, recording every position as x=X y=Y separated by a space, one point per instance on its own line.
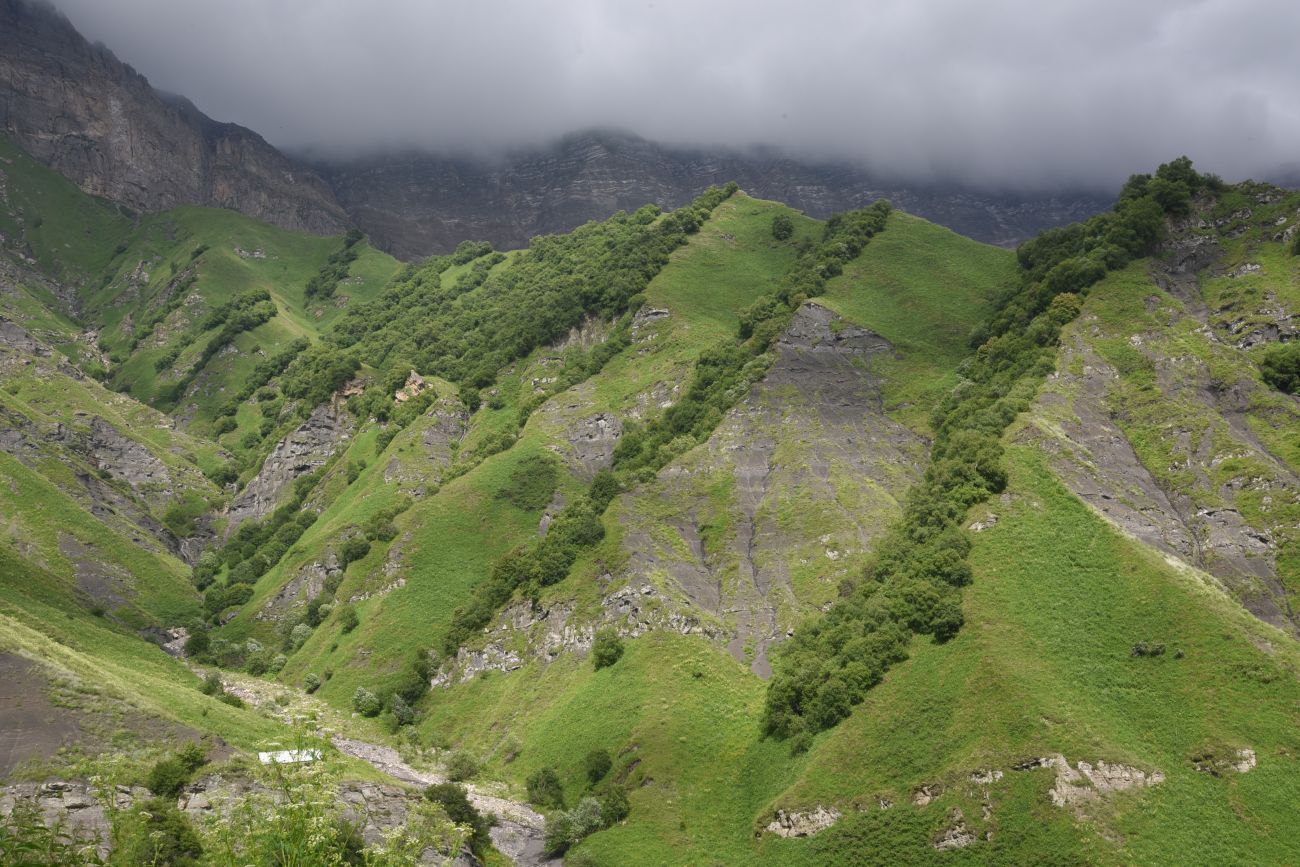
x=856 y=543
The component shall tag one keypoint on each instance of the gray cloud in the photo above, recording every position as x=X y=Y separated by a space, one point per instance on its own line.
x=998 y=91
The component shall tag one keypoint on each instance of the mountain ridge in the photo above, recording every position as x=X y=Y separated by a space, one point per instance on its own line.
x=415 y=203
x=77 y=108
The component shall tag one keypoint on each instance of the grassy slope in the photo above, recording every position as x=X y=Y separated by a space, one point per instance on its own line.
x=125 y=265
x=112 y=666
x=679 y=705
x=457 y=532
x=1043 y=666
x=168 y=239
x=923 y=288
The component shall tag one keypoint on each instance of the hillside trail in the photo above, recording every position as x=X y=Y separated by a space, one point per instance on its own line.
x=519 y=829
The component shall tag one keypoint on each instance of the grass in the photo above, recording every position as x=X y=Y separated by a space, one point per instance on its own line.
x=1043 y=664
x=923 y=288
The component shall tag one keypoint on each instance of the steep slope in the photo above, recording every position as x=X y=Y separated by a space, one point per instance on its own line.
x=821 y=405
x=664 y=487
x=417 y=204
x=80 y=110
x=182 y=306
x=1081 y=715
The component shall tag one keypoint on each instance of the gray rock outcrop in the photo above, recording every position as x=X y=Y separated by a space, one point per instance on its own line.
x=302 y=451
x=810 y=438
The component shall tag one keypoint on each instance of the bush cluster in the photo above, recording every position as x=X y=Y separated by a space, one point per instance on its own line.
x=323 y=284
x=1280 y=367
x=604 y=804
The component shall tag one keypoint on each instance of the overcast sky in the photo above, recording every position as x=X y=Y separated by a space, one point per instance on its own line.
x=989 y=91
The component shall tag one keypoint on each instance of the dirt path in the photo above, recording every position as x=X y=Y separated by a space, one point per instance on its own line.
x=519 y=831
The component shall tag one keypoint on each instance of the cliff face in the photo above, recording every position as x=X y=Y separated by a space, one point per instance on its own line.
x=419 y=204
x=78 y=109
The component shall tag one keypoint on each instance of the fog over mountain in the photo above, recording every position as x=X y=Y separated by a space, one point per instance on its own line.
x=996 y=94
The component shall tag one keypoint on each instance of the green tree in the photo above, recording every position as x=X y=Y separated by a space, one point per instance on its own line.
x=606 y=649
x=544 y=788
x=597 y=764
x=455 y=801
x=782 y=227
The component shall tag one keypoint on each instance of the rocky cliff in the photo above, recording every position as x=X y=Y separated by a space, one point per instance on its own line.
x=77 y=108
x=417 y=204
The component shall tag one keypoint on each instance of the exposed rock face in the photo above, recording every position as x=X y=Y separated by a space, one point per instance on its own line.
x=814 y=469
x=956 y=835
x=1243 y=761
x=302 y=451
x=523 y=632
x=416 y=204
x=78 y=109
x=1087 y=782
x=803 y=824
x=308 y=583
x=125 y=459
x=593 y=440
x=1175 y=498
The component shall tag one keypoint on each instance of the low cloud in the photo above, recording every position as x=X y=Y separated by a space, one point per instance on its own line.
x=998 y=93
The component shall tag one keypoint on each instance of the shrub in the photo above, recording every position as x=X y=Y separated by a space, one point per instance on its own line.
x=1280 y=366
x=606 y=649
x=155 y=832
x=311 y=682
x=531 y=484
x=565 y=829
x=167 y=777
x=192 y=756
x=299 y=634
x=1148 y=648
x=614 y=805
x=352 y=550
x=366 y=702
x=461 y=765
x=544 y=788
x=597 y=764
x=558 y=836
x=212 y=684
x=348 y=618
x=782 y=227
x=198 y=643
x=455 y=802
x=402 y=713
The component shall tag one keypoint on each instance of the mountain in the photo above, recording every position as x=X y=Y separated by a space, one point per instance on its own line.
x=717 y=535
x=415 y=204
x=77 y=108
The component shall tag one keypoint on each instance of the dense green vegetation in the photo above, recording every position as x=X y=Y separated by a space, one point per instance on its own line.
x=1280 y=367
x=323 y=285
